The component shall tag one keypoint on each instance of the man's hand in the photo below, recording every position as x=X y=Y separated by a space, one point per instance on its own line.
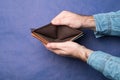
x=71 y=49
x=68 y=18
x=74 y=20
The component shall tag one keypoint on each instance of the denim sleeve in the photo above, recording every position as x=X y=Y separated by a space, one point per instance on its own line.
x=106 y=64
x=107 y=24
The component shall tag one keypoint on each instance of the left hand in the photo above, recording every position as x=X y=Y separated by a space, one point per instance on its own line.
x=69 y=48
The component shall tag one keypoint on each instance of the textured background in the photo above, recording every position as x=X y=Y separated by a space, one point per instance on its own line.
x=23 y=57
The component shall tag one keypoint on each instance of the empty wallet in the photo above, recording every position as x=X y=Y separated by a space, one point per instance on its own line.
x=56 y=33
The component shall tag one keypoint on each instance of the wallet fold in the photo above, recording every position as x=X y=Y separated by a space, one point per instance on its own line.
x=56 y=33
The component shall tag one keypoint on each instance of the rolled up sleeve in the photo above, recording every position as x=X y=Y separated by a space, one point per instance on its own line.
x=106 y=64
x=107 y=24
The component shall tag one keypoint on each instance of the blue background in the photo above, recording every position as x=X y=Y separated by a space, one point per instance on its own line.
x=23 y=57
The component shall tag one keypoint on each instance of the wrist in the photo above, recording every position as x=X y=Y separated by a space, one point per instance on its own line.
x=85 y=54
x=88 y=22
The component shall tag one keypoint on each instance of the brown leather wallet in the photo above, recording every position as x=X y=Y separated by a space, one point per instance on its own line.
x=56 y=33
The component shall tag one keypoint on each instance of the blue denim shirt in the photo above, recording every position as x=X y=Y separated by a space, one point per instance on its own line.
x=106 y=24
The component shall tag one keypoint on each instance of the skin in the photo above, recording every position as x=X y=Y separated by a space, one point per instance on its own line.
x=70 y=48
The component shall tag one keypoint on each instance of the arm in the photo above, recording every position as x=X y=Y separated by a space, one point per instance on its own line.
x=107 y=24
x=106 y=64
x=103 y=62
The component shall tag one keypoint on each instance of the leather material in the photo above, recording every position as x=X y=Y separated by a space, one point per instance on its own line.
x=53 y=33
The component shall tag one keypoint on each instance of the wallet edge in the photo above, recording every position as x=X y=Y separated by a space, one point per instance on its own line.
x=77 y=36
x=39 y=38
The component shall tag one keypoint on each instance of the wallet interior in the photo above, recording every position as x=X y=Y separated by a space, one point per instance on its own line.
x=53 y=33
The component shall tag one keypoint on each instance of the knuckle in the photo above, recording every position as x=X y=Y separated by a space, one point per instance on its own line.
x=64 y=11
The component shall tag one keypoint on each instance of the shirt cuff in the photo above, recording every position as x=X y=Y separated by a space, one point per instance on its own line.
x=103 y=24
x=98 y=59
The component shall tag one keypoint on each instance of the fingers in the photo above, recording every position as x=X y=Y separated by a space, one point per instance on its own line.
x=56 y=48
x=58 y=52
x=54 y=45
x=61 y=19
x=68 y=18
x=69 y=48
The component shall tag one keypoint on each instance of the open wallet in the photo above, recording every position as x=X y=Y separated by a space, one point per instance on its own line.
x=56 y=33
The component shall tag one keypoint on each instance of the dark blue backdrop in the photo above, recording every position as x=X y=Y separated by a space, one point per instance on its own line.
x=23 y=57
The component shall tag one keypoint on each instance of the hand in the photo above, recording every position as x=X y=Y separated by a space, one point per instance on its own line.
x=68 y=18
x=69 y=48
x=74 y=20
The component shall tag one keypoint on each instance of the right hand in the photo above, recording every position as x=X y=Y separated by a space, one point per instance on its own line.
x=74 y=20
x=68 y=18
